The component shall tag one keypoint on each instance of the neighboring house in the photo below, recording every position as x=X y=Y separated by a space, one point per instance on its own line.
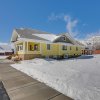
x=86 y=48
x=33 y=43
x=87 y=51
x=96 y=44
x=93 y=45
x=5 y=49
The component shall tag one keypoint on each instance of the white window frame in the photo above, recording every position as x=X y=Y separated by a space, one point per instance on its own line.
x=49 y=45
x=76 y=48
x=36 y=49
x=64 y=38
x=20 y=47
x=64 y=47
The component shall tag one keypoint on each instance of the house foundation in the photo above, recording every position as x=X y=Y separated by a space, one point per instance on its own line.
x=29 y=56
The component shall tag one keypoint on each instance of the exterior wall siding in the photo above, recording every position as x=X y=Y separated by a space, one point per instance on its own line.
x=55 y=50
x=64 y=52
x=71 y=52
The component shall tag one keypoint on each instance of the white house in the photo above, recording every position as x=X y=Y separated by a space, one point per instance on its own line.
x=5 y=49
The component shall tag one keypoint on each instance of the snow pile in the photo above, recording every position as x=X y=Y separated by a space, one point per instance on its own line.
x=3 y=57
x=77 y=78
x=4 y=60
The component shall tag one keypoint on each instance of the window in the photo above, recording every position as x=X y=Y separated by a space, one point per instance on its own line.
x=64 y=47
x=76 y=48
x=20 y=47
x=17 y=48
x=31 y=48
x=48 y=46
x=70 y=48
x=36 y=47
x=64 y=38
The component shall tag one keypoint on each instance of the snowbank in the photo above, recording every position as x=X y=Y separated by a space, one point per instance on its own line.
x=3 y=57
x=4 y=60
x=77 y=78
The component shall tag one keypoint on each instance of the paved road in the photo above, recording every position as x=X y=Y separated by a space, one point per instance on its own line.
x=20 y=86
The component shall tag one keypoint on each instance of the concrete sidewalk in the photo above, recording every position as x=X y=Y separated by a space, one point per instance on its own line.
x=3 y=93
x=20 y=86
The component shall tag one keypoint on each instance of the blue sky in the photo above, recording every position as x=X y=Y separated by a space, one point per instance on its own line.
x=81 y=18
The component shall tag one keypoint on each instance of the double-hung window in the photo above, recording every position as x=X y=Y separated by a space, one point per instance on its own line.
x=36 y=47
x=64 y=38
x=70 y=48
x=76 y=48
x=20 y=47
x=64 y=47
x=48 y=47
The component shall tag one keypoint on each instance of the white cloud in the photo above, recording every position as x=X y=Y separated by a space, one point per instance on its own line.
x=54 y=17
x=71 y=24
x=84 y=24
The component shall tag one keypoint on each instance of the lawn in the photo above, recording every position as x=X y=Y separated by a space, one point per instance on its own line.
x=78 y=78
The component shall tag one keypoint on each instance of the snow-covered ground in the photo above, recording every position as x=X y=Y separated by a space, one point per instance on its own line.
x=77 y=78
x=3 y=57
x=4 y=60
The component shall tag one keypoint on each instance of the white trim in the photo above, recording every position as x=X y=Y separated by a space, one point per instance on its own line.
x=33 y=40
x=24 y=47
x=27 y=45
x=18 y=47
x=40 y=49
x=59 y=49
x=40 y=41
x=64 y=49
x=67 y=44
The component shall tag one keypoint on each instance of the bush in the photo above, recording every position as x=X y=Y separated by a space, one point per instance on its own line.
x=9 y=57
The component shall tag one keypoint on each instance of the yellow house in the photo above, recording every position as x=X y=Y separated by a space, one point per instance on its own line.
x=33 y=43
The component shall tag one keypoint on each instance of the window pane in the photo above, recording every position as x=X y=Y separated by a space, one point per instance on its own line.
x=48 y=46
x=36 y=47
x=31 y=48
x=76 y=48
x=21 y=47
x=70 y=48
x=64 y=38
x=64 y=47
x=18 y=48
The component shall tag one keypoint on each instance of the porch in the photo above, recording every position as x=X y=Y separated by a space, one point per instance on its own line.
x=28 y=50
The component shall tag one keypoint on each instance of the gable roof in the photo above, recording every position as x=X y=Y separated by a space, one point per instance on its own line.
x=24 y=33
x=67 y=36
x=27 y=33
